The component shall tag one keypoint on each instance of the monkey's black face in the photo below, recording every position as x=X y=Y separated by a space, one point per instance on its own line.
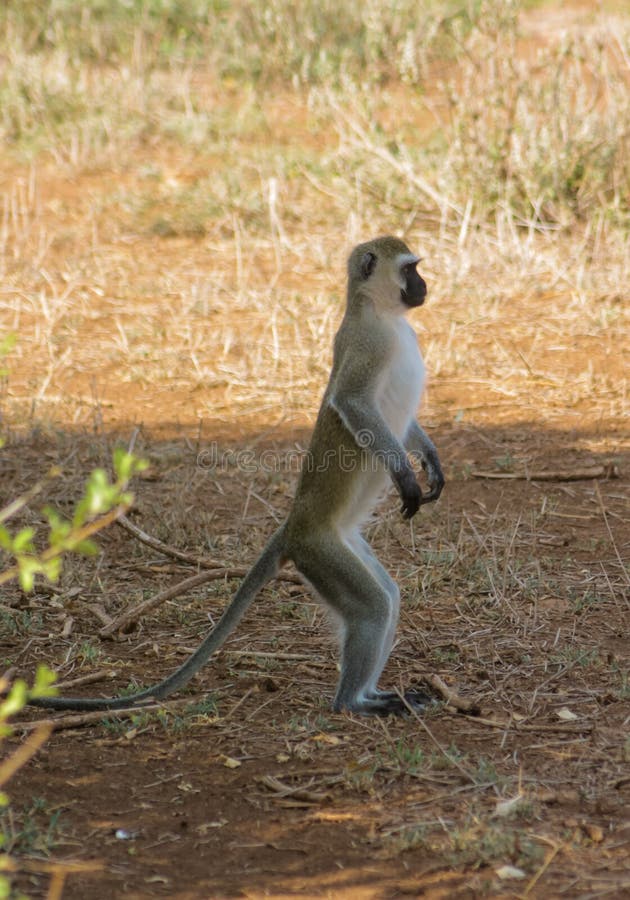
x=415 y=289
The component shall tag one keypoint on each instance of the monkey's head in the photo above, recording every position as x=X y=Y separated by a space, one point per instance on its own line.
x=384 y=270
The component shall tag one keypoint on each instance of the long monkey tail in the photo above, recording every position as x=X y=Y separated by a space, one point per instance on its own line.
x=264 y=569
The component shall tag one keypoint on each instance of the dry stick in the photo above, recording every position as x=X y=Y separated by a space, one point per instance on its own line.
x=523 y=726
x=76 y=720
x=467 y=706
x=24 y=752
x=216 y=571
x=266 y=654
x=86 y=679
x=608 y=471
x=132 y=615
x=550 y=858
x=166 y=549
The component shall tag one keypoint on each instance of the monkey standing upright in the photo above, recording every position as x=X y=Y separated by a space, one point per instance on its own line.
x=365 y=428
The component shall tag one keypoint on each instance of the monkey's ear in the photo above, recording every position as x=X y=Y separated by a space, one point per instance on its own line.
x=368 y=262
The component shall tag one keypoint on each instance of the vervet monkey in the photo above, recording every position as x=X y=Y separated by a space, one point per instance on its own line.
x=364 y=430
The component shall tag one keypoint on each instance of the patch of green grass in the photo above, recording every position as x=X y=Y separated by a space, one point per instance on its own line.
x=20 y=622
x=579 y=656
x=407 y=756
x=31 y=830
x=485 y=843
x=89 y=652
x=174 y=721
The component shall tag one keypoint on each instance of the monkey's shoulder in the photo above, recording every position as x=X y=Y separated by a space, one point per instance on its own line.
x=369 y=343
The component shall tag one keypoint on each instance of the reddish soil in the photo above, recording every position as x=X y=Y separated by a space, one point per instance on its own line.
x=520 y=603
x=516 y=590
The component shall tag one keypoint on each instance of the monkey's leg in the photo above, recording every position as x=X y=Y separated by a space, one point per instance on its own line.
x=357 y=597
x=365 y=552
x=417 y=699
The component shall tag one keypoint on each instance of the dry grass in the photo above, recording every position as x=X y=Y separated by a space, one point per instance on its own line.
x=176 y=210
x=501 y=195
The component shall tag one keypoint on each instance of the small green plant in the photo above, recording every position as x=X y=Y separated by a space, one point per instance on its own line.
x=15 y=698
x=483 y=843
x=102 y=502
x=31 y=830
x=413 y=837
x=577 y=656
x=486 y=772
x=16 y=622
x=448 y=759
x=408 y=757
x=89 y=652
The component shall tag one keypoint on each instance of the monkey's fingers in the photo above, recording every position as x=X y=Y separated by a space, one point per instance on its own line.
x=410 y=506
x=435 y=489
x=431 y=496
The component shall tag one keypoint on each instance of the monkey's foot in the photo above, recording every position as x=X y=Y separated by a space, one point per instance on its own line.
x=389 y=703
x=420 y=700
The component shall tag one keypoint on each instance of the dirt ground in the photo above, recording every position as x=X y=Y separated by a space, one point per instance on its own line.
x=515 y=592
x=514 y=595
x=200 y=336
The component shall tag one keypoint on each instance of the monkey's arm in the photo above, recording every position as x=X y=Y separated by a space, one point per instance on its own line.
x=420 y=445
x=353 y=401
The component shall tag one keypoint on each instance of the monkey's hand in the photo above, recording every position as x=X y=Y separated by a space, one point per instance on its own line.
x=431 y=465
x=422 y=448
x=409 y=491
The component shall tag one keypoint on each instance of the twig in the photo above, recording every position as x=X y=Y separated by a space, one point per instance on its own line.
x=166 y=549
x=522 y=726
x=86 y=679
x=21 y=501
x=550 y=858
x=453 y=699
x=266 y=654
x=132 y=615
x=610 y=470
x=295 y=792
x=77 y=719
x=24 y=752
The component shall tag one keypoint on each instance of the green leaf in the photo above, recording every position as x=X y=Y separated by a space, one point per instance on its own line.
x=44 y=681
x=6 y=542
x=86 y=547
x=51 y=569
x=23 y=541
x=27 y=573
x=59 y=527
x=16 y=699
x=7 y=344
x=126 y=465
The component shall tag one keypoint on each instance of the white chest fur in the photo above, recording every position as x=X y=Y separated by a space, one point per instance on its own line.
x=403 y=381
